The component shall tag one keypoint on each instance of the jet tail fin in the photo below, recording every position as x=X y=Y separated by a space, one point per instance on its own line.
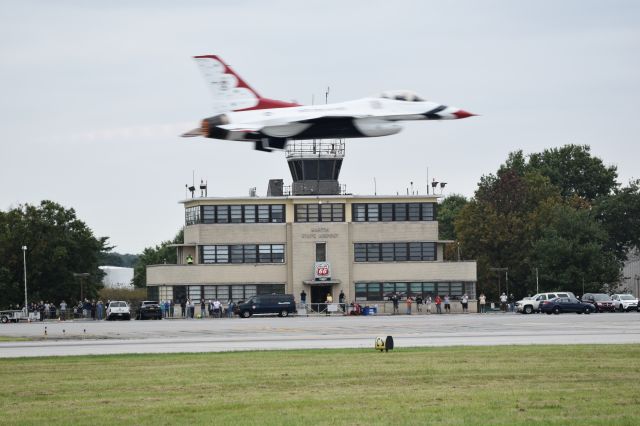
x=230 y=92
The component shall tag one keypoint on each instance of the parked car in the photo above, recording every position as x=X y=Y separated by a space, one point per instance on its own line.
x=625 y=302
x=529 y=305
x=566 y=304
x=149 y=309
x=118 y=309
x=601 y=301
x=281 y=304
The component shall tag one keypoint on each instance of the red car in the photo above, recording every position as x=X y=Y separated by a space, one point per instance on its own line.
x=601 y=301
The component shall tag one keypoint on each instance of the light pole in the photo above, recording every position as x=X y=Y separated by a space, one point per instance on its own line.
x=81 y=275
x=24 y=258
x=537 y=287
x=506 y=271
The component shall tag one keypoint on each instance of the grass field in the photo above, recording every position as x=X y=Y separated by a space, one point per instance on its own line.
x=470 y=385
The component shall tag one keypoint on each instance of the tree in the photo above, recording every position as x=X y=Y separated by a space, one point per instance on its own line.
x=448 y=210
x=571 y=251
x=162 y=253
x=619 y=214
x=58 y=245
x=499 y=225
x=575 y=172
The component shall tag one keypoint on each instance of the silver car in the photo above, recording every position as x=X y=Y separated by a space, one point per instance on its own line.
x=625 y=302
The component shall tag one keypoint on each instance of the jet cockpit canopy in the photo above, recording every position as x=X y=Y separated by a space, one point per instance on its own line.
x=402 y=95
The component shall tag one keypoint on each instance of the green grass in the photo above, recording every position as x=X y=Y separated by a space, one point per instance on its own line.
x=459 y=385
x=13 y=339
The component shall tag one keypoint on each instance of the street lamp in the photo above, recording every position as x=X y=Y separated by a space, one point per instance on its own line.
x=24 y=258
x=506 y=272
x=82 y=275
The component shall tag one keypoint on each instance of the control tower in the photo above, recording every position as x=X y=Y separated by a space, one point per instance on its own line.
x=315 y=166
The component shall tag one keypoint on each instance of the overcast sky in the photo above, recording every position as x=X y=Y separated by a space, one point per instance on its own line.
x=93 y=94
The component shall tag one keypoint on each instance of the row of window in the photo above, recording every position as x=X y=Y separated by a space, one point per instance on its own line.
x=380 y=291
x=394 y=252
x=331 y=212
x=260 y=213
x=393 y=212
x=231 y=292
x=242 y=253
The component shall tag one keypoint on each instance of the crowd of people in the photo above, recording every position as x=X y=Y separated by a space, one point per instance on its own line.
x=211 y=309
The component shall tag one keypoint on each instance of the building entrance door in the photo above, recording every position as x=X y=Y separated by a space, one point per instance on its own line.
x=319 y=297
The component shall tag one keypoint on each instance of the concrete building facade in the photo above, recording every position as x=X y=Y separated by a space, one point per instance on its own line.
x=371 y=246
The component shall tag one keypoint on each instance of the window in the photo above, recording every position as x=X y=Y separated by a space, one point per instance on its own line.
x=359 y=212
x=263 y=214
x=386 y=212
x=236 y=214
x=360 y=252
x=277 y=213
x=321 y=252
x=222 y=214
x=192 y=215
x=372 y=212
x=249 y=214
x=327 y=212
x=208 y=214
x=413 y=211
x=242 y=253
x=394 y=252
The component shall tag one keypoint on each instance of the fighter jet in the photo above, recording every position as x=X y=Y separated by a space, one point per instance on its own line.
x=244 y=115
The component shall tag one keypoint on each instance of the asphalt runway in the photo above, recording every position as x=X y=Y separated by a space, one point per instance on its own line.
x=269 y=333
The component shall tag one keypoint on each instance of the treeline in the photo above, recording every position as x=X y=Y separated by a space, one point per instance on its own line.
x=560 y=211
x=60 y=251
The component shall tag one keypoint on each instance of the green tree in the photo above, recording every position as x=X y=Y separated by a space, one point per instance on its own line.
x=161 y=253
x=575 y=171
x=58 y=245
x=448 y=210
x=498 y=226
x=571 y=250
x=619 y=214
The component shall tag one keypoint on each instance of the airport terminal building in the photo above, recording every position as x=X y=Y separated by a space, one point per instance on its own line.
x=312 y=237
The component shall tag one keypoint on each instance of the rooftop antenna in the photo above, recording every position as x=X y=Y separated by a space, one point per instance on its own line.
x=375 y=186
x=326 y=96
x=427 y=181
x=203 y=188
x=412 y=193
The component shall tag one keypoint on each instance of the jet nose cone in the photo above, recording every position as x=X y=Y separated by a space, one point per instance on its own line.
x=463 y=114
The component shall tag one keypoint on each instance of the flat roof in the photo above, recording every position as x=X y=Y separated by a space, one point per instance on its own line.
x=429 y=197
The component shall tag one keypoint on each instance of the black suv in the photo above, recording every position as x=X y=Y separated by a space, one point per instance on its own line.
x=281 y=304
x=149 y=309
x=601 y=301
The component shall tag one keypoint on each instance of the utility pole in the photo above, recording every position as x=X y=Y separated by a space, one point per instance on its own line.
x=24 y=258
x=537 y=287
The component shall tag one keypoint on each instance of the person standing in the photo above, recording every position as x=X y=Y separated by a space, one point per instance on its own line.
x=427 y=302
x=447 y=304
x=409 y=302
x=394 y=300
x=341 y=301
x=503 y=302
x=99 y=309
x=303 y=297
x=63 y=310
x=203 y=308
x=419 y=303
x=216 y=308
x=183 y=306
x=438 y=304
x=465 y=303
x=230 y=309
x=93 y=309
x=483 y=303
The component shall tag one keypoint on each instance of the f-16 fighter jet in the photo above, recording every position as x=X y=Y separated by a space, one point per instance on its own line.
x=244 y=115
